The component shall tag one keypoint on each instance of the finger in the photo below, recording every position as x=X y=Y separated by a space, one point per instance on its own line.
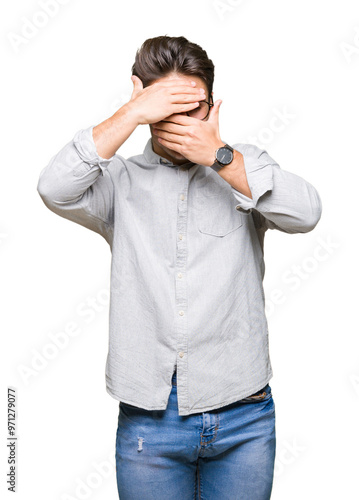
x=178 y=82
x=171 y=145
x=185 y=98
x=137 y=86
x=185 y=89
x=173 y=128
x=169 y=137
x=137 y=83
x=179 y=119
x=182 y=108
x=214 y=113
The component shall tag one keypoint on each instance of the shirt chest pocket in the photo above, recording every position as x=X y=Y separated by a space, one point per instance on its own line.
x=215 y=210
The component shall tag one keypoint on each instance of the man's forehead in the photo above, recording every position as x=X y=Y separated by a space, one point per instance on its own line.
x=179 y=77
x=173 y=76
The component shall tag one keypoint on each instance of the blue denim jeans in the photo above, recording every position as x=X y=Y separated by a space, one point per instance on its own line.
x=222 y=454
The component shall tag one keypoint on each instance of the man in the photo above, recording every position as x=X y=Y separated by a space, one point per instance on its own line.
x=188 y=348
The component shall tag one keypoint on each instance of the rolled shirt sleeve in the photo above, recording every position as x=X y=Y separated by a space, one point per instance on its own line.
x=284 y=200
x=86 y=150
x=76 y=185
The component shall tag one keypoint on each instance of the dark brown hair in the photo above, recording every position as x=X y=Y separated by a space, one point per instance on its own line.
x=163 y=55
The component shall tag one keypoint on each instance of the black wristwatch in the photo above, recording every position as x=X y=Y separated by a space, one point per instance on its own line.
x=223 y=157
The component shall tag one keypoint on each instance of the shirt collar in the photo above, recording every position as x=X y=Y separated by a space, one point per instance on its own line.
x=154 y=158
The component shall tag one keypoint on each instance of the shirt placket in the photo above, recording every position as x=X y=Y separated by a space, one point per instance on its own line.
x=181 y=309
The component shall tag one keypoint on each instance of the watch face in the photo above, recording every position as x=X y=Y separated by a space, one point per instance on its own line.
x=224 y=155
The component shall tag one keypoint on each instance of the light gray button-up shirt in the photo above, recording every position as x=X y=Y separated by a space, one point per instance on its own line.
x=187 y=266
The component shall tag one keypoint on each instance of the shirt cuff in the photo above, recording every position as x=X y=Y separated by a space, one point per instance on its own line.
x=86 y=148
x=259 y=174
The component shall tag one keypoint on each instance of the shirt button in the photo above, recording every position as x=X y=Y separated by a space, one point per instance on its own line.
x=181 y=354
x=180 y=237
x=181 y=313
x=182 y=196
x=179 y=275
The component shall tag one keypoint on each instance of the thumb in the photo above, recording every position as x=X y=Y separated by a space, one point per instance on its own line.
x=213 y=114
x=137 y=85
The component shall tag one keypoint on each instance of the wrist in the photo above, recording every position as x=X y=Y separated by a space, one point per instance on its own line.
x=128 y=112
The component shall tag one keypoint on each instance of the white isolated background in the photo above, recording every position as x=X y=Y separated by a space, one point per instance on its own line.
x=273 y=58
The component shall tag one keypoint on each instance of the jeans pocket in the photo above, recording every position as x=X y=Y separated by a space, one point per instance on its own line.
x=128 y=407
x=261 y=395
